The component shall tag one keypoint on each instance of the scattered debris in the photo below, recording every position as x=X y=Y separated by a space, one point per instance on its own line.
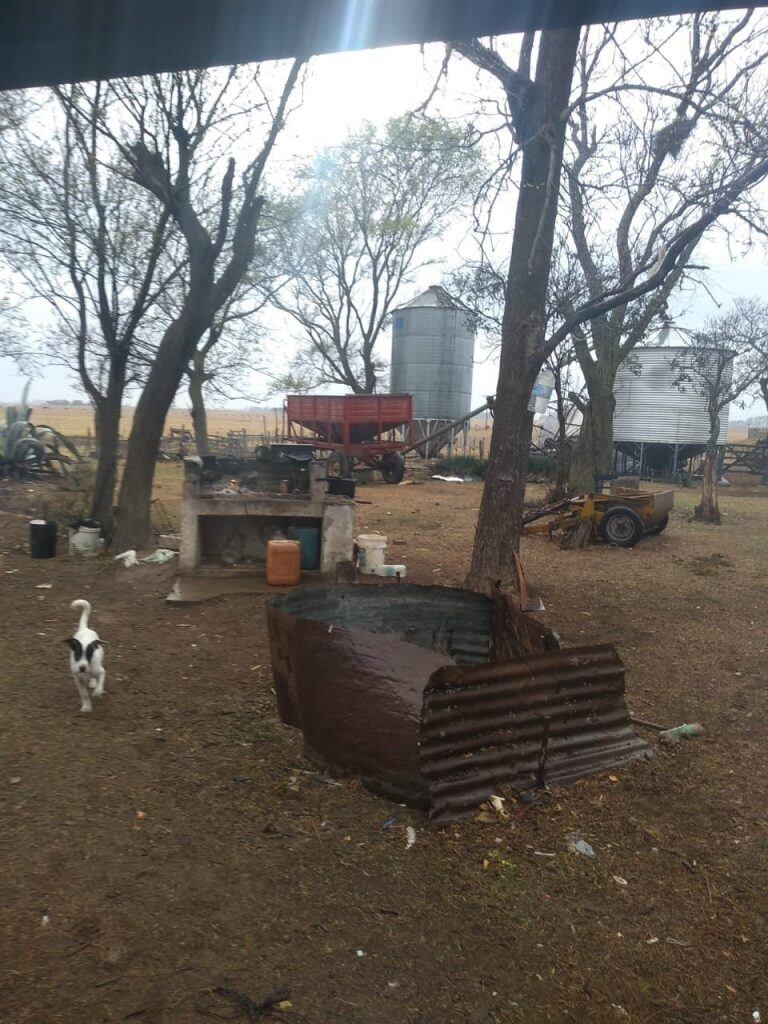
x=678 y=942
x=43 y=586
x=128 y=558
x=686 y=730
x=619 y=880
x=15 y=780
x=388 y=823
x=497 y=803
x=244 y=1006
x=159 y=557
x=410 y=837
x=450 y=479
x=45 y=920
x=578 y=845
x=360 y=952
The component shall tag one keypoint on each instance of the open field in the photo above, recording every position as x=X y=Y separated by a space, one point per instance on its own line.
x=178 y=837
x=77 y=421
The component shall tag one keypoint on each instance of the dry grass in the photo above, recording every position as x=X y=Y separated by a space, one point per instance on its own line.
x=77 y=420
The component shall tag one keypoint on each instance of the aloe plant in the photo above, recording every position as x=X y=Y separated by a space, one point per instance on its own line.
x=24 y=446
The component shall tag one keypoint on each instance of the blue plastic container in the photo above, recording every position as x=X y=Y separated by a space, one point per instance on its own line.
x=309 y=544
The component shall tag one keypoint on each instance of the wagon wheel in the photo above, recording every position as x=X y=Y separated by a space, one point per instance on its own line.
x=337 y=465
x=392 y=468
x=622 y=527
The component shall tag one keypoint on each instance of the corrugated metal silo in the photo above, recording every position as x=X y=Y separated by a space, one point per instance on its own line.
x=650 y=406
x=433 y=346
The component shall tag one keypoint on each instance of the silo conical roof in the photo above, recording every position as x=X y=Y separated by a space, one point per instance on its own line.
x=433 y=296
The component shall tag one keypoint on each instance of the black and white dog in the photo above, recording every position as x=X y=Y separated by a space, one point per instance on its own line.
x=86 y=656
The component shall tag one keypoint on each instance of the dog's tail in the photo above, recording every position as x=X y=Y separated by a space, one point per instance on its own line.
x=85 y=612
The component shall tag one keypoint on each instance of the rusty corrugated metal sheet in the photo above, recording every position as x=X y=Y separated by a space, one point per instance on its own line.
x=351 y=663
x=437 y=696
x=484 y=727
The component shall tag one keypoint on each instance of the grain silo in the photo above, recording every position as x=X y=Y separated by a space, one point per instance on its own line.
x=661 y=422
x=433 y=346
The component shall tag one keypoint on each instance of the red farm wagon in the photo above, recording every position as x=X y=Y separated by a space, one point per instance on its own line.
x=354 y=428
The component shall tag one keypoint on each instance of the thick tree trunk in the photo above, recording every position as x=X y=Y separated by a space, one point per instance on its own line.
x=102 y=502
x=97 y=428
x=708 y=511
x=134 y=526
x=542 y=130
x=199 y=414
x=592 y=455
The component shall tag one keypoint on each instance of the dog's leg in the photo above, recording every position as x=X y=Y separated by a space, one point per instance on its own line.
x=85 y=697
x=99 y=688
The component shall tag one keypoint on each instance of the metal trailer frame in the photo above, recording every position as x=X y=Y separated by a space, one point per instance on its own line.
x=373 y=452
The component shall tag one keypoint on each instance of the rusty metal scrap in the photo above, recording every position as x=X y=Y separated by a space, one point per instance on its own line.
x=484 y=727
x=437 y=696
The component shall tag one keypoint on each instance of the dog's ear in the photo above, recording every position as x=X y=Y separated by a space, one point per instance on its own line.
x=90 y=649
x=75 y=646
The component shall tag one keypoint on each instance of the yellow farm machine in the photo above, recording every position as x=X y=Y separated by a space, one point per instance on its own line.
x=622 y=517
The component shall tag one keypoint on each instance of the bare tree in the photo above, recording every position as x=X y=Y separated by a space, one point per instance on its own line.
x=667 y=118
x=81 y=239
x=175 y=133
x=722 y=363
x=481 y=287
x=224 y=355
x=360 y=232
x=537 y=111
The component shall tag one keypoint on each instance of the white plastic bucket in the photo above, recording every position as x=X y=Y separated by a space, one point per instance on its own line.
x=85 y=541
x=372 y=549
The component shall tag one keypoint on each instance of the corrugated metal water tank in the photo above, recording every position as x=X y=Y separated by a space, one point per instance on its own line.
x=651 y=407
x=433 y=347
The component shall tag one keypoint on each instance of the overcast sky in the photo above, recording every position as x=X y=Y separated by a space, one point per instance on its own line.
x=344 y=89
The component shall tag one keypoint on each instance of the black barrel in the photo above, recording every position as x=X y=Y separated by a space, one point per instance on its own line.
x=42 y=539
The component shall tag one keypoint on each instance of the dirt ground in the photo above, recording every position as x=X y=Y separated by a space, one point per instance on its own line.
x=176 y=840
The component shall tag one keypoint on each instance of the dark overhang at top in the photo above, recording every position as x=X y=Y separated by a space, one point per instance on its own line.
x=43 y=42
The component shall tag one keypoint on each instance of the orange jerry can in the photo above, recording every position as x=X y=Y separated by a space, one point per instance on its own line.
x=283 y=563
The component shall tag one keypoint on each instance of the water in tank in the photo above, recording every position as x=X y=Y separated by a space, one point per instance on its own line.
x=433 y=345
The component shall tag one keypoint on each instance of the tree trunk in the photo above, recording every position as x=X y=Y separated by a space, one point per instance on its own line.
x=97 y=421
x=542 y=130
x=199 y=414
x=592 y=455
x=134 y=527
x=108 y=419
x=563 y=458
x=708 y=511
